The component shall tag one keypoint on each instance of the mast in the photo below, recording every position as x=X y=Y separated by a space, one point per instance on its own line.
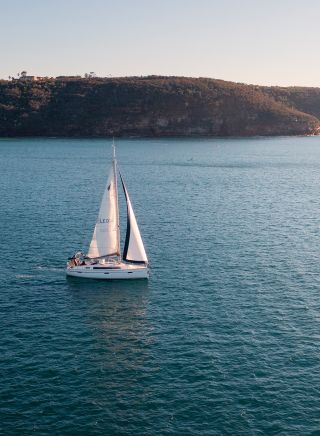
x=114 y=164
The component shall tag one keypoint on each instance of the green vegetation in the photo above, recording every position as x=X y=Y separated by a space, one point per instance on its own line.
x=154 y=106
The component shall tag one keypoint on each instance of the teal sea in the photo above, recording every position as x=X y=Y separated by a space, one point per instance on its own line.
x=224 y=339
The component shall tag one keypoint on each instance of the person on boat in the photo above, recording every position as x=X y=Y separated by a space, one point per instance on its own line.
x=77 y=259
x=72 y=262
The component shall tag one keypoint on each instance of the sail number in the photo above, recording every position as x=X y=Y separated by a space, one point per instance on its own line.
x=104 y=220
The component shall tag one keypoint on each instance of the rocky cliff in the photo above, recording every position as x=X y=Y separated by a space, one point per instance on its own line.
x=154 y=106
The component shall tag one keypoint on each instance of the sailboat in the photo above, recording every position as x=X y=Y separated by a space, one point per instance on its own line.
x=104 y=259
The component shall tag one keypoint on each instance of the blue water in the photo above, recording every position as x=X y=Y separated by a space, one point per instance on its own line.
x=225 y=336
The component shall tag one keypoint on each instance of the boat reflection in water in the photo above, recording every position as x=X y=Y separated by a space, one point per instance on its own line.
x=119 y=335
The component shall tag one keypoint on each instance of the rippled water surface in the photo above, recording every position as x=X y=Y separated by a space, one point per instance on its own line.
x=225 y=336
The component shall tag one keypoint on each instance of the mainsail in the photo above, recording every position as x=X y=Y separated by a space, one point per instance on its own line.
x=134 y=250
x=105 y=240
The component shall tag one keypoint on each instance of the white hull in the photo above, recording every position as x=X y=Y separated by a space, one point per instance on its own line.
x=105 y=272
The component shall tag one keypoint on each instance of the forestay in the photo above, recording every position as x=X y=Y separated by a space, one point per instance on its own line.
x=106 y=232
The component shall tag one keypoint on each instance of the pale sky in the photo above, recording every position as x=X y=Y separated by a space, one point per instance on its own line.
x=271 y=42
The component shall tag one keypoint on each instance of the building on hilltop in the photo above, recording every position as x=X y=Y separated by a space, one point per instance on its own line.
x=23 y=76
x=29 y=78
x=67 y=77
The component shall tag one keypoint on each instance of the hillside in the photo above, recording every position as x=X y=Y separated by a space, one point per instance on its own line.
x=154 y=106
